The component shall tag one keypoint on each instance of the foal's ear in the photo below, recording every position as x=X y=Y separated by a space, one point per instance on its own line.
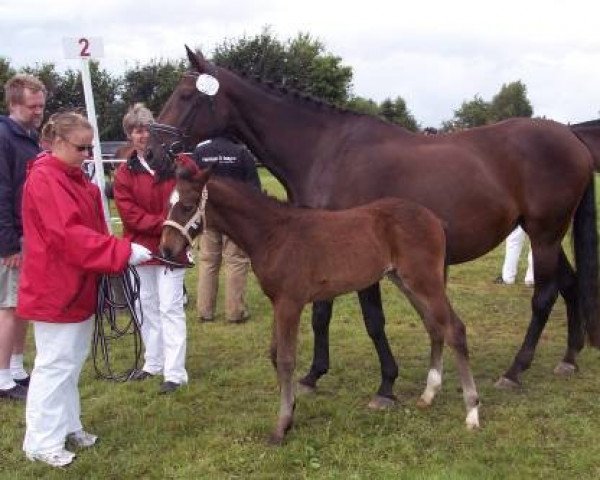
x=196 y=59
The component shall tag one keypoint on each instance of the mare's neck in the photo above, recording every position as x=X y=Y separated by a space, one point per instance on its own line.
x=286 y=133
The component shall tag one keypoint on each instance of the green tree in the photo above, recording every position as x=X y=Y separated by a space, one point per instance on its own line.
x=396 y=111
x=471 y=114
x=363 y=105
x=6 y=71
x=152 y=83
x=511 y=101
x=300 y=63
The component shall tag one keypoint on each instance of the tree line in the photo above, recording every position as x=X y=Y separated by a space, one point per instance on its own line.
x=301 y=63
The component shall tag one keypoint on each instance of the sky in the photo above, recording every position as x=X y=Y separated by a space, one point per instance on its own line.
x=434 y=54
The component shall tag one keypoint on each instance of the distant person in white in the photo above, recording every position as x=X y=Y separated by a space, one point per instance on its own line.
x=514 y=245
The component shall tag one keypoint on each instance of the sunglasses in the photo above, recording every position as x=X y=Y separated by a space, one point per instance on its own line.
x=82 y=148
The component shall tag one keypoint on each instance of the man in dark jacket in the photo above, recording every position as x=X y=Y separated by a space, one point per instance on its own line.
x=26 y=99
x=230 y=160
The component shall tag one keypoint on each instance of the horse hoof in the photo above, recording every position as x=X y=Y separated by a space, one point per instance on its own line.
x=275 y=440
x=505 y=383
x=472 y=420
x=303 y=389
x=564 y=369
x=379 y=402
x=422 y=404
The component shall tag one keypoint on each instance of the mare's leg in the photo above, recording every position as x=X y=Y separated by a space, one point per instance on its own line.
x=287 y=319
x=370 y=302
x=545 y=268
x=567 y=285
x=321 y=318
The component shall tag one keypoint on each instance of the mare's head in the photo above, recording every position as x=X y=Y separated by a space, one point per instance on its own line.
x=196 y=110
x=186 y=216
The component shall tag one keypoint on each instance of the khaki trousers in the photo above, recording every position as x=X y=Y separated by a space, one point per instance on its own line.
x=216 y=248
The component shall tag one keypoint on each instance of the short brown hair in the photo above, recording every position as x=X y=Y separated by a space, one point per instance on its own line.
x=137 y=116
x=14 y=88
x=62 y=124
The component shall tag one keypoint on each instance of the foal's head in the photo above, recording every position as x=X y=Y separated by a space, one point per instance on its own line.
x=186 y=215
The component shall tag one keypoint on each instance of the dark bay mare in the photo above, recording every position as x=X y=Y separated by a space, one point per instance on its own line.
x=482 y=182
x=301 y=255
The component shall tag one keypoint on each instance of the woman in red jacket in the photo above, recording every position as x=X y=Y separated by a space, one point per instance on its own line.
x=142 y=192
x=66 y=248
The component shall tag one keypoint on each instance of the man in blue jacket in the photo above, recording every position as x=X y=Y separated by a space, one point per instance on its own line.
x=25 y=97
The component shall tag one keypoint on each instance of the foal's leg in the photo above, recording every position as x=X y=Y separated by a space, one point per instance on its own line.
x=287 y=318
x=545 y=263
x=567 y=285
x=321 y=318
x=428 y=296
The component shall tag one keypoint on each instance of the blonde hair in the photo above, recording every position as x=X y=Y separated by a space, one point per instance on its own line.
x=62 y=124
x=15 y=87
x=137 y=116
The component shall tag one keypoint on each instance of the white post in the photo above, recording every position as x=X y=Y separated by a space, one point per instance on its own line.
x=87 y=48
x=91 y=114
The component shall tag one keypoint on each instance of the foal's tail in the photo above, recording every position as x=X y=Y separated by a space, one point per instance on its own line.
x=585 y=241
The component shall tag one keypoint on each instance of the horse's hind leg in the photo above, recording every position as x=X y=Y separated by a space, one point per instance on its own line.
x=321 y=318
x=567 y=285
x=428 y=296
x=370 y=302
x=545 y=262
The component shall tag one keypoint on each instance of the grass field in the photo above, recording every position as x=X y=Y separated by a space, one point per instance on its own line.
x=216 y=427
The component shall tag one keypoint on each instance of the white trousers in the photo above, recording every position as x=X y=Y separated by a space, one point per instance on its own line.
x=514 y=244
x=164 y=325
x=52 y=410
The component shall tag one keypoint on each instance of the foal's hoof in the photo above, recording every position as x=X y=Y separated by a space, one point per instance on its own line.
x=275 y=440
x=379 y=402
x=564 y=369
x=422 y=404
x=505 y=383
x=303 y=389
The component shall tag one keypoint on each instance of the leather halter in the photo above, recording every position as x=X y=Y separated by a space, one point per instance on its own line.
x=197 y=220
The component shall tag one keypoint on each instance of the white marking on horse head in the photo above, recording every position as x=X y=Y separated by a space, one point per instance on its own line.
x=207 y=84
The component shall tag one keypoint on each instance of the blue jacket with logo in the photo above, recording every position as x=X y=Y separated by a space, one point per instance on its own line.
x=17 y=148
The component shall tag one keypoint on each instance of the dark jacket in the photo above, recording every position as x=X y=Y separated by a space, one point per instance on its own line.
x=231 y=160
x=17 y=148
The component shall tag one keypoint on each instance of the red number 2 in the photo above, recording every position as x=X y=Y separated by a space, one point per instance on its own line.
x=85 y=45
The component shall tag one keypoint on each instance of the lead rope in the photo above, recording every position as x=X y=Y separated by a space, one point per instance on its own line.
x=117 y=318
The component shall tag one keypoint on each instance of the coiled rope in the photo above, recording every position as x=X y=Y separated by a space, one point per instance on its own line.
x=116 y=318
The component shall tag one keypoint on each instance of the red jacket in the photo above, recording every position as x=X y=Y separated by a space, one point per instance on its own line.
x=143 y=204
x=66 y=244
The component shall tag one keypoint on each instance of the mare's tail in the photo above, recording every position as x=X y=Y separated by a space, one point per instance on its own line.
x=589 y=134
x=585 y=241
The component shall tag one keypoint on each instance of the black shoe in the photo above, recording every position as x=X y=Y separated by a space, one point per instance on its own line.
x=168 y=387
x=18 y=392
x=24 y=382
x=140 y=375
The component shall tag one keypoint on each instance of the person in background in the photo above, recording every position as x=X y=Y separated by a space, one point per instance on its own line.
x=25 y=96
x=514 y=245
x=66 y=249
x=230 y=160
x=142 y=192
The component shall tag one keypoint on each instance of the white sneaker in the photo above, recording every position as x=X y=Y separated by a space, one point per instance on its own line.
x=58 y=458
x=81 y=439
